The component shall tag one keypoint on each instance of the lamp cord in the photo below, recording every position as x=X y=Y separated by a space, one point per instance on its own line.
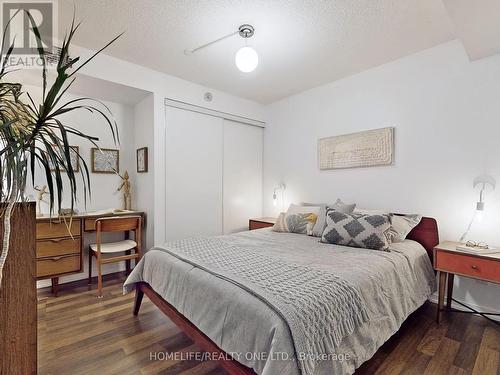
x=483 y=314
x=468 y=228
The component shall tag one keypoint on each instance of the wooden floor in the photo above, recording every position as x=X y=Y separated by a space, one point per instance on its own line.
x=81 y=334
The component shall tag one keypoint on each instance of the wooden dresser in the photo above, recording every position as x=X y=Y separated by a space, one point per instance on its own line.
x=58 y=248
x=59 y=244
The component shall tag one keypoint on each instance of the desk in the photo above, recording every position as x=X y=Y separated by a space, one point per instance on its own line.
x=59 y=243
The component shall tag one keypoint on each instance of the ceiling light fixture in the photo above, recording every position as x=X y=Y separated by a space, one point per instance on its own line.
x=246 y=59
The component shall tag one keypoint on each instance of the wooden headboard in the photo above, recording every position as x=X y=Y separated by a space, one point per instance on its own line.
x=426 y=233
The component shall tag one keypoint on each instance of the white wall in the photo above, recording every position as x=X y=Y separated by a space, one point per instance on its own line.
x=143 y=183
x=447 y=114
x=103 y=186
x=164 y=86
x=161 y=86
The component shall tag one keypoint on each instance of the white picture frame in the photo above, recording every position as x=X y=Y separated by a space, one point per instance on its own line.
x=362 y=149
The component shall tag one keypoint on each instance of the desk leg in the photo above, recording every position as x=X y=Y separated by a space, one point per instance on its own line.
x=442 y=286
x=55 y=284
x=449 y=294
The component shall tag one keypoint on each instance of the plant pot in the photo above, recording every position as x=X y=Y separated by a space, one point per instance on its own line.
x=18 y=300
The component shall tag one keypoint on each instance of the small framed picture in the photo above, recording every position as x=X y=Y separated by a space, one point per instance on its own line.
x=105 y=160
x=142 y=160
x=75 y=160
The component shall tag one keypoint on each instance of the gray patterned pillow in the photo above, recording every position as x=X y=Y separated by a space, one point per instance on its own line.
x=295 y=223
x=321 y=223
x=357 y=230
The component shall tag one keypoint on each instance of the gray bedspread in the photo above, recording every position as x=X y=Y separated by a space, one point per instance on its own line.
x=391 y=284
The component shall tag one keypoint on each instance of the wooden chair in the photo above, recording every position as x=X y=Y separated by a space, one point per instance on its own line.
x=99 y=249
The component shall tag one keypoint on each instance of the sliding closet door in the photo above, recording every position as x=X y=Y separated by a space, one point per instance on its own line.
x=194 y=145
x=242 y=175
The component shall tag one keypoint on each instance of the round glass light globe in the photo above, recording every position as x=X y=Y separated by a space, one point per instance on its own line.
x=246 y=59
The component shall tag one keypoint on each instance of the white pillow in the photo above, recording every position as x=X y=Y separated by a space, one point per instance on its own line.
x=296 y=209
x=370 y=212
x=401 y=225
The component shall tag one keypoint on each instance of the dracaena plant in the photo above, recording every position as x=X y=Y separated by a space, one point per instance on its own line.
x=34 y=138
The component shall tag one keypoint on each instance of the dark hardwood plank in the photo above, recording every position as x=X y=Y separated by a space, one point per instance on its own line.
x=487 y=362
x=491 y=337
x=416 y=364
x=456 y=324
x=442 y=361
x=488 y=356
x=407 y=343
x=473 y=331
x=432 y=339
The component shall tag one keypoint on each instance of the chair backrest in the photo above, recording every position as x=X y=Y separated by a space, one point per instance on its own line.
x=118 y=224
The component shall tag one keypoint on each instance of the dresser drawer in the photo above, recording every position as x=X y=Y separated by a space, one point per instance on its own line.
x=57 y=246
x=468 y=265
x=89 y=225
x=57 y=265
x=56 y=228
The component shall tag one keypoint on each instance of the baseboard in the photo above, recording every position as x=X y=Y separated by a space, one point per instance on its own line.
x=113 y=268
x=84 y=281
x=434 y=299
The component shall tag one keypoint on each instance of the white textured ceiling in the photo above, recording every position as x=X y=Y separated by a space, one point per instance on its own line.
x=301 y=44
x=477 y=24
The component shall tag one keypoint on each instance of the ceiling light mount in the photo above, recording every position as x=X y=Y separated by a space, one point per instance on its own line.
x=246 y=31
x=246 y=59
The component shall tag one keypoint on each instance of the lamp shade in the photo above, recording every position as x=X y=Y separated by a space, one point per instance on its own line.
x=246 y=59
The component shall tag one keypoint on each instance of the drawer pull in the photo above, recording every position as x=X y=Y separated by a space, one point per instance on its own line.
x=474 y=267
x=56 y=239
x=55 y=259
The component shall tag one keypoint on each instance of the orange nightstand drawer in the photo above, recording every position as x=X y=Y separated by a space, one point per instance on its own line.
x=468 y=265
x=259 y=223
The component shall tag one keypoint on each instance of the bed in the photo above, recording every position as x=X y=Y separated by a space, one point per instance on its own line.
x=249 y=334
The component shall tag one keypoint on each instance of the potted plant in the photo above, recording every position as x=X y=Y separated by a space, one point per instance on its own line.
x=34 y=138
x=34 y=135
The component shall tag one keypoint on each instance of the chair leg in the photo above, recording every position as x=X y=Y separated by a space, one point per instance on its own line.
x=99 y=277
x=90 y=267
x=136 y=260
x=127 y=262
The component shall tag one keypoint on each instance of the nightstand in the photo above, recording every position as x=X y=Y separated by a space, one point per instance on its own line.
x=262 y=222
x=450 y=262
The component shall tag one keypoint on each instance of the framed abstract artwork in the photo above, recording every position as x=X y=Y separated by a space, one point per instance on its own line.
x=75 y=160
x=142 y=160
x=105 y=160
x=363 y=149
